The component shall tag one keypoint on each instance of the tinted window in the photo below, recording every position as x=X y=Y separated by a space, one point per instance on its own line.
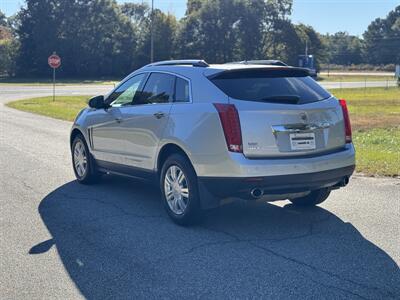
x=159 y=88
x=269 y=85
x=124 y=94
x=182 y=90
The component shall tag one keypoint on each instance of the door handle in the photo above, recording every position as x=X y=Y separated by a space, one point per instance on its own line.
x=159 y=115
x=119 y=120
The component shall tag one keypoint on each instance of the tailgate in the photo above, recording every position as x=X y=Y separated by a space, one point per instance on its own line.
x=279 y=130
x=282 y=111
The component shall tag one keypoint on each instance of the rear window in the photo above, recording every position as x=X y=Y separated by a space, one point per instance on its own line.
x=292 y=86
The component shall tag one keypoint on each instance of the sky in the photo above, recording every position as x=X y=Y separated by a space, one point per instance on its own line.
x=326 y=16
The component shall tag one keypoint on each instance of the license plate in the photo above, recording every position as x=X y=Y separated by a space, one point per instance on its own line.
x=302 y=141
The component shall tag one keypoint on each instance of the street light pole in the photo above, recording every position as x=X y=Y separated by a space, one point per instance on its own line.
x=152 y=33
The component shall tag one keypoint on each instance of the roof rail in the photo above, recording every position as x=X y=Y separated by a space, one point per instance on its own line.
x=187 y=62
x=267 y=62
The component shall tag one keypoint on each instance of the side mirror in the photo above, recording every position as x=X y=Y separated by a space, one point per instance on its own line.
x=97 y=102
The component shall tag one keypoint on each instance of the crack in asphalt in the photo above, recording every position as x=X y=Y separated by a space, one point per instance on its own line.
x=298 y=262
x=333 y=287
x=234 y=239
x=310 y=231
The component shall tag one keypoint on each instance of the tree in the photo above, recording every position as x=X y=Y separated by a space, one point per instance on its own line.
x=382 y=39
x=93 y=38
x=226 y=30
x=8 y=47
x=312 y=40
x=250 y=30
x=3 y=19
x=287 y=42
x=101 y=43
x=164 y=30
x=343 y=49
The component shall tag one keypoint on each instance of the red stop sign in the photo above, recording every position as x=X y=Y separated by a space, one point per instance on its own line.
x=54 y=61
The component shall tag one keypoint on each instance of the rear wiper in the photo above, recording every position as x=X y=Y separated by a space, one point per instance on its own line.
x=289 y=99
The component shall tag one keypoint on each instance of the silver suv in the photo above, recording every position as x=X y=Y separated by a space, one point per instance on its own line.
x=205 y=133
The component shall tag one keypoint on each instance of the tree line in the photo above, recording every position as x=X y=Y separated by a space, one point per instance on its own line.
x=98 y=38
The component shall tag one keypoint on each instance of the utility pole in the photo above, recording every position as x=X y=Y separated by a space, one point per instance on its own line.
x=306 y=48
x=152 y=33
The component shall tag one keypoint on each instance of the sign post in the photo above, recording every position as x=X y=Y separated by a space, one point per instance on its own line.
x=54 y=62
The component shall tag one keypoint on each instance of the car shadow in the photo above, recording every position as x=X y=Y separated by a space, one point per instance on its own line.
x=116 y=241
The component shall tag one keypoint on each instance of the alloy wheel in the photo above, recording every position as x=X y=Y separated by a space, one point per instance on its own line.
x=80 y=159
x=176 y=190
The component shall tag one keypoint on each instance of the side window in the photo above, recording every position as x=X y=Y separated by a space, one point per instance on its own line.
x=159 y=88
x=124 y=94
x=182 y=90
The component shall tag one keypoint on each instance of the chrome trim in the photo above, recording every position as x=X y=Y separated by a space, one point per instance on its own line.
x=148 y=74
x=193 y=62
x=182 y=77
x=296 y=128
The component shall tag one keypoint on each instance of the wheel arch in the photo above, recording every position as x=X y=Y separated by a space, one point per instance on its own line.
x=73 y=135
x=166 y=151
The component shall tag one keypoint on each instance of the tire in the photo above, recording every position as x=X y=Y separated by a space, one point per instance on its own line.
x=312 y=199
x=83 y=163
x=180 y=193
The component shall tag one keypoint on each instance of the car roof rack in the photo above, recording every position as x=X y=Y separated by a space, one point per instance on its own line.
x=185 y=62
x=267 y=62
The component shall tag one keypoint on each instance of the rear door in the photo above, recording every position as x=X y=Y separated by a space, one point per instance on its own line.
x=283 y=112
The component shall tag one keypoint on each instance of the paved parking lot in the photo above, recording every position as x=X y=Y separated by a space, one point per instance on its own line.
x=62 y=240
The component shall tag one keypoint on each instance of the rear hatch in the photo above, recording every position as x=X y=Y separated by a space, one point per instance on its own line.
x=283 y=112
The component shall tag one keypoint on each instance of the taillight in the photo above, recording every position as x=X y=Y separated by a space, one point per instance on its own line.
x=346 y=117
x=231 y=125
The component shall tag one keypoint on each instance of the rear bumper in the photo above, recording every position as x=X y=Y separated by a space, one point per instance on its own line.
x=229 y=164
x=213 y=188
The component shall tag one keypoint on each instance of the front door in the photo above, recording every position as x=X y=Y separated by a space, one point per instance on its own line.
x=108 y=141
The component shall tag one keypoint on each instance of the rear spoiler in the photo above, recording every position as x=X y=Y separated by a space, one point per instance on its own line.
x=269 y=72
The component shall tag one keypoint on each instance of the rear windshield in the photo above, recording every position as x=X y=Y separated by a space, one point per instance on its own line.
x=292 y=86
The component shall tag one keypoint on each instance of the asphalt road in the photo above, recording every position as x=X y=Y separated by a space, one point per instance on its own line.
x=62 y=240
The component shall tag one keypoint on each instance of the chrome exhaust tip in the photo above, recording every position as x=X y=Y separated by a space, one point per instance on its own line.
x=257 y=193
x=342 y=183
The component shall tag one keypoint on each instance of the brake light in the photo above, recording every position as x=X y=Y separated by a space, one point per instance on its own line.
x=346 y=117
x=230 y=122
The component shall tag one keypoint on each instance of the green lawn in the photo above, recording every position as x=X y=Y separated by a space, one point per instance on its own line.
x=372 y=107
x=375 y=115
x=378 y=151
x=64 y=108
x=354 y=78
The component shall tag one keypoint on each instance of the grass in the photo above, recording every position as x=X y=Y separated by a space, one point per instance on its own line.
x=372 y=107
x=377 y=151
x=375 y=115
x=355 y=78
x=61 y=81
x=64 y=108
